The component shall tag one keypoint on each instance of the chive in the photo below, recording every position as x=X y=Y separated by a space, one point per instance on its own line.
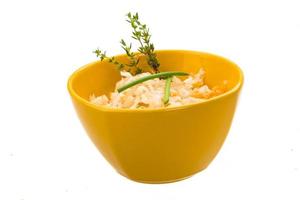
x=167 y=90
x=152 y=76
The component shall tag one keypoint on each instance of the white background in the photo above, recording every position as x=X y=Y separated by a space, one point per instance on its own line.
x=44 y=151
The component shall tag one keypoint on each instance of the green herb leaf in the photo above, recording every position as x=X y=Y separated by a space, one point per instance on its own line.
x=141 y=34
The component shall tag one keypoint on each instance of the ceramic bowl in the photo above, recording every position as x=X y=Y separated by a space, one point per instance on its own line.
x=158 y=145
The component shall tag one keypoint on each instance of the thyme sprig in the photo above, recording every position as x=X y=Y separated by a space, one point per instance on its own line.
x=134 y=61
x=142 y=35
x=102 y=55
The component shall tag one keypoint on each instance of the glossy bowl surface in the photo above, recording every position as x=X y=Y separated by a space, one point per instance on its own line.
x=158 y=145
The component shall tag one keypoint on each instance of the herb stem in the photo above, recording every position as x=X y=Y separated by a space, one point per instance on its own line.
x=167 y=90
x=142 y=35
x=152 y=76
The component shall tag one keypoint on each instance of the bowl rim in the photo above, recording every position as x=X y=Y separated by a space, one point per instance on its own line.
x=73 y=94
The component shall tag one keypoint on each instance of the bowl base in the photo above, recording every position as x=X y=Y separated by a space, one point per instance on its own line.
x=162 y=181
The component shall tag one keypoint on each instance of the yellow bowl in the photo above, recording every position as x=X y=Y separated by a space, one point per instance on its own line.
x=158 y=145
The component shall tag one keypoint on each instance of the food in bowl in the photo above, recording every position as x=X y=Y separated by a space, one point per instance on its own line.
x=150 y=94
x=139 y=88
